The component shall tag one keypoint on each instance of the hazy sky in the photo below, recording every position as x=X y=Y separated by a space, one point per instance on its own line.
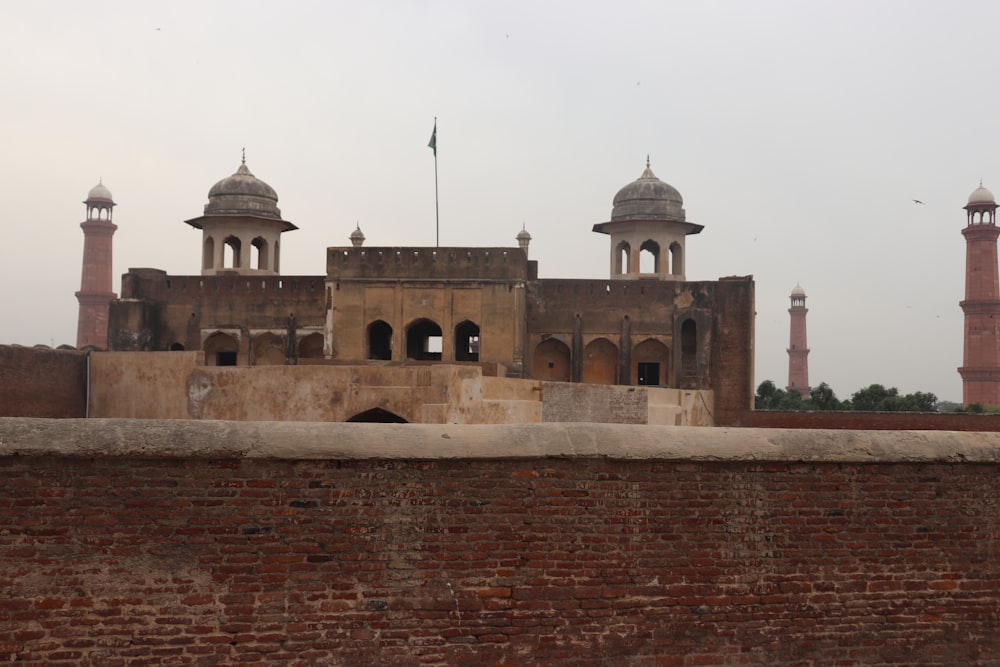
x=798 y=133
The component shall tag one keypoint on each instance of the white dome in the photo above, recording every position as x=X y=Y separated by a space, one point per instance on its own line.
x=798 y=291
x=99 y=192
x=648 y=198
x=982 y=196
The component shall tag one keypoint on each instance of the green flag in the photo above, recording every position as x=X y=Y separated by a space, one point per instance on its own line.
x=433 y=143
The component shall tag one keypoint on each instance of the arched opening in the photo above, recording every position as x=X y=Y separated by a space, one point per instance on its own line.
x=208 y=256
x=176 y=347
x=231 y=253
x=676 y=259
x=467 y=341
x=277 y=257
x=379 y=340
x=650 y=363
x=258 y=254
x=689 y=354
x=551 y=361
x=600 y=362
x=221 y=350
x=378 y=416
x=311 y=346
x=268 y=350
x=622 y=258
x=423 y=341
x=649 y=257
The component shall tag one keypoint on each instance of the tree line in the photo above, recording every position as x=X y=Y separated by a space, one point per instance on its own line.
x=873 y=398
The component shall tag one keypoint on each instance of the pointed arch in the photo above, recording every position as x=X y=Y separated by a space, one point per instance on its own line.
x=623 y=258
x=600 y=362
x=378 y=415
x=650 y=363
x=258 y=254
x=311 y=346
x=221 y=349
x=676 y=259
x=379 y=337
x=467 y=341
x=551 y=361
x=268 y=349
x=208 y=253
x=649 y=257
x=231 y=252
x=423 y=340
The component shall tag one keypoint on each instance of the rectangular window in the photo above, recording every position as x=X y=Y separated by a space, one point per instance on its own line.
x=649 y=374
x=225 y=358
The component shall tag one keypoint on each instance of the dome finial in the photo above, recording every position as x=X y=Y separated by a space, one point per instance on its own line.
x=244 y=155
x=647 y=160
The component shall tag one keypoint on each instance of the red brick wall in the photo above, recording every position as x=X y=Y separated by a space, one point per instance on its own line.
x=878 y=421
x=40 y=382
x=120 y=560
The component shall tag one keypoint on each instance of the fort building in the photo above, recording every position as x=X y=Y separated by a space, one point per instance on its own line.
x=378 y=306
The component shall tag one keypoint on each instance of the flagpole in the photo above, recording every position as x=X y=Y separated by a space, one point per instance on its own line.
x=437 y=212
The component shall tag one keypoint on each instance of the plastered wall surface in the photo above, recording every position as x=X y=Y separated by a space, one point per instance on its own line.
x=202 y=542
x=173 y=385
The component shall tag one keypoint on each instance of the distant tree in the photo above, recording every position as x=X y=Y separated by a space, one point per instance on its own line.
x=769 y=397
x=876 y=398
x=764 y=397
x=873 y=398
x=823 y=398
x=920 y=401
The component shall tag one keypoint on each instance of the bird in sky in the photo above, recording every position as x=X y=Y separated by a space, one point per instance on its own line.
x=917 y=201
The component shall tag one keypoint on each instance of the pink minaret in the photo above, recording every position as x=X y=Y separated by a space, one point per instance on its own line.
x=798 y=350
x=95 y=293
x=980 y=369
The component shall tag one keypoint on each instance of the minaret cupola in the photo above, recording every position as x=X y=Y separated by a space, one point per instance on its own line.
x=241 y=226
x=648 y=228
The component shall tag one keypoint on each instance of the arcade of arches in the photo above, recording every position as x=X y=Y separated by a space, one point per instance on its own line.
x=424 y=341
x=266 y=349
x=649 y=362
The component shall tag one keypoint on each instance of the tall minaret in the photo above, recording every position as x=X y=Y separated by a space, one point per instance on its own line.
x=95 y=288
x=798 y=350
x=980 y=369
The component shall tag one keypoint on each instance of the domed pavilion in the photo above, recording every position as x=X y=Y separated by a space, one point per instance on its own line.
x=648 y=228
x=241 y=227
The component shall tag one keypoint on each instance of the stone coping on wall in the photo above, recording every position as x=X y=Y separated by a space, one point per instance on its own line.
x=350 y=441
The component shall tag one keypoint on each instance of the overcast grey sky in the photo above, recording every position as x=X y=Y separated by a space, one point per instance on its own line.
x=798 y=133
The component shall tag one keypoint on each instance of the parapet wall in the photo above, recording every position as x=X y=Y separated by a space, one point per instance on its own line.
x=41 y=382
x=158 y=285
x=421 y=263
x=882 y=421
x=173 y=385
x=185 y=542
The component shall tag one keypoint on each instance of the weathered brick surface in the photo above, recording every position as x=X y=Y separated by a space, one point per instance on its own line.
x=871 y=421
x=41 y=382
x=118 y=560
